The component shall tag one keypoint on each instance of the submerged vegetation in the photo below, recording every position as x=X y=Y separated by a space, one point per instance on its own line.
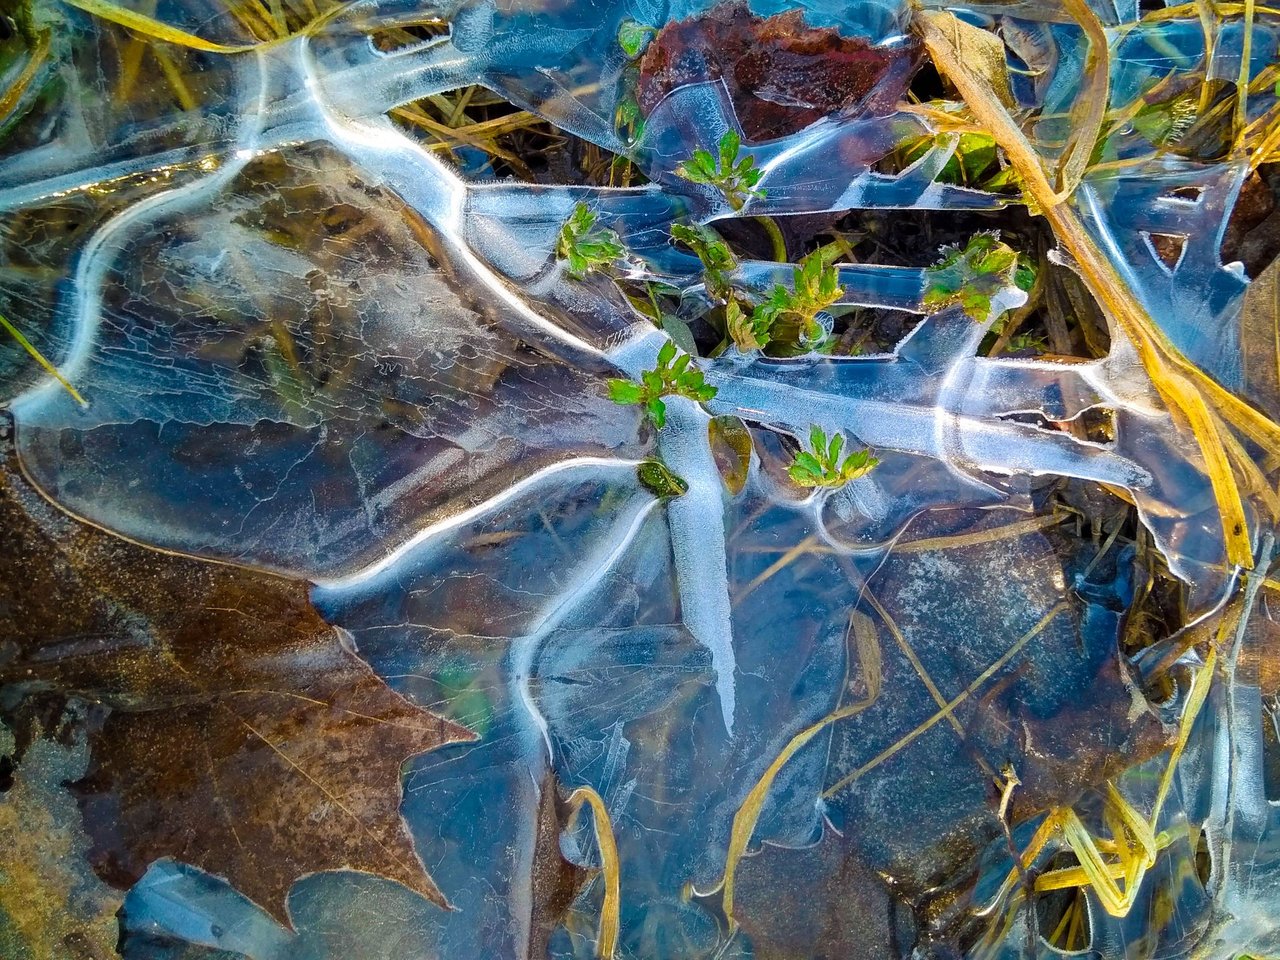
x=735 y=176
x=584 y=246
x=1012 y=277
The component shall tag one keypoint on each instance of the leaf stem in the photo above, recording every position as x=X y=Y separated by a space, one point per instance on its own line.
x=775 y=237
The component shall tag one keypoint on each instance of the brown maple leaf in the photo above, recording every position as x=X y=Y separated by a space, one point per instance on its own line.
x=781 y=74
x=242 y=735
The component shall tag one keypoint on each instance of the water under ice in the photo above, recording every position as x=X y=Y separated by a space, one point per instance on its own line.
x=311 y=346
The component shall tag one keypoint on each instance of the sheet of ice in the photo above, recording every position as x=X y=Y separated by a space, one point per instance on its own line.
x=310 y=345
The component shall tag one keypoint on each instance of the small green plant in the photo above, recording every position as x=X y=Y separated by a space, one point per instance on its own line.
x=656 y=477
x=1165 y=123
x=585 y=246
x=667 y=379
x=633 y=37
x=821 y=466
x=816 y=286
x=748 y=331
x=717 y=259
x=972 y=276
x=735 y=178
x=973 y=163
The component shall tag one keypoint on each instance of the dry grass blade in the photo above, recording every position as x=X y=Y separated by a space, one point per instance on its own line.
x=39 y=358
x=156 y=30
x=610 y=911
x=951 y=705
x=152 y=28
x=1090 y=107
x=748 y=815
x=1182 y=385
x=9 y=101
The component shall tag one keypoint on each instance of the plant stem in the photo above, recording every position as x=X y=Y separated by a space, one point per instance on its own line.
x=775 y=237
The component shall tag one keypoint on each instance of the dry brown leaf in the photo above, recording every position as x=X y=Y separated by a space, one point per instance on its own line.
x=1260 y=338
x=244 y=737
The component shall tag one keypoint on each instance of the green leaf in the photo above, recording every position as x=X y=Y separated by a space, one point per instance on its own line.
x=809 y=462
x=821 y=466
x=666 y=354
x=730 y=442
x=628 y=111
x=584 y=246
x=678 y=331
x=657 y=478
x=802 y=477
x=730 y=144
x=625 y=391
x=1025 y=275
x=633 y=37
x=971 y=277
x=657 y=411
x=977 y=152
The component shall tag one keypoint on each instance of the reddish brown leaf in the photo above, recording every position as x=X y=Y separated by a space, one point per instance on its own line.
x=243 y=737
x=781 y=74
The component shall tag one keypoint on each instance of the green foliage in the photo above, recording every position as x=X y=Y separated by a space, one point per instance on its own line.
x=628 y=119
x=735 y=178
x=717 y=259
x=656 y=477
x=972 y=276
x=748 y=331
x=585 y=246
x=821 y=466
x=816 y=286
x=1165 y=122
x=975 y=162
x=633 y=37
x=667 y=379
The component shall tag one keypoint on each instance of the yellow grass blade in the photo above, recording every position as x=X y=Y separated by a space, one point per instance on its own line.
x=157 y=30
x=1090 y=107
x=607 y=941
x=1180 y=383
x=744 y=821
x=150 y=27
x=946 y=711
x=40 y=359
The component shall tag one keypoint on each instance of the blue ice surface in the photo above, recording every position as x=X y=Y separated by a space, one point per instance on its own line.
x=464 y=497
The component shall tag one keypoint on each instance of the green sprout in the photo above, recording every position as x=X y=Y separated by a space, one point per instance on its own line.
x=633 y=37
x=821 y=466
x=734 y=178
x=585 y=246
x=816 y=285
x=656 y=477
x=717 y=259
x=972 y=276
x=748 y=331
x=667 y=379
